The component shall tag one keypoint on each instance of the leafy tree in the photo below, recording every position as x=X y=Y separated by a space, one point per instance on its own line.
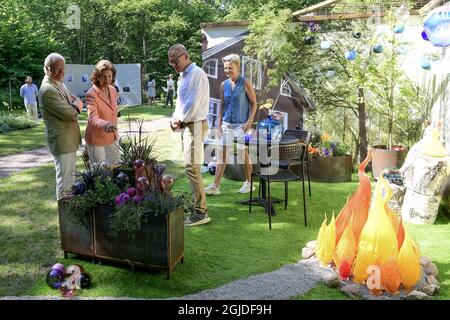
x=250 y=9
x=369 y=85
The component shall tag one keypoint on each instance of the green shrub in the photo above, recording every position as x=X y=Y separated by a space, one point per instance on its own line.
x=16 y=101
x=9 y=122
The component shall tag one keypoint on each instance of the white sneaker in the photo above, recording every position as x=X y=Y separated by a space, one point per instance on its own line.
x=246 y=187
x=212 y=190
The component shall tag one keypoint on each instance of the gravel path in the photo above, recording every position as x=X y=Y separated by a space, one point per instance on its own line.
x=287 y=282
x=29 y=159
x=14 y=163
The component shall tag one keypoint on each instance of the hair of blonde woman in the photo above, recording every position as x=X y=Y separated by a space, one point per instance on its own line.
x=233 y=58
x=101 y=66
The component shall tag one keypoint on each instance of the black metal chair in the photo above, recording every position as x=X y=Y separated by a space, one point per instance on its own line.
x=279 y=159
x=305 y=137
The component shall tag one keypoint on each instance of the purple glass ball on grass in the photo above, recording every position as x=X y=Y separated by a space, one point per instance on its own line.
x=54 y=278
x=60 y=267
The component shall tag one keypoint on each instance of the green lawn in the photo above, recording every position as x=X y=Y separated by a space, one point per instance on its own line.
x=234 y=245
x=22 y=140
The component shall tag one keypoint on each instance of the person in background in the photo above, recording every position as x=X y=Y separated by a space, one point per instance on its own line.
x=102 y=138
x=170 y=89
x=190 y=115
x=151 y=90
x=29 y=92
x=236 y=114
x=60 y=109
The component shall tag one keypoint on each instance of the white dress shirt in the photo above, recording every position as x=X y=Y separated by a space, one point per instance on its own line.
x=192 y=95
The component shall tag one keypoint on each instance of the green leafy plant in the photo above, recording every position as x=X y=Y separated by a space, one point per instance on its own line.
x=130 y=216
x=104 y=192
x=136 y=144
x=10 y=122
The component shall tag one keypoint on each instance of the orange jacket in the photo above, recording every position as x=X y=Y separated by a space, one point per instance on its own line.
x=101 y=112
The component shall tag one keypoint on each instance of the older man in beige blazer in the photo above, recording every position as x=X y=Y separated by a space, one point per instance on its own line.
x=60 y=110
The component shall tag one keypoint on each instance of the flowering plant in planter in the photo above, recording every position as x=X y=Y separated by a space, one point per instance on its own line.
x=323 y=146
x=94 y=186
x=148 y=197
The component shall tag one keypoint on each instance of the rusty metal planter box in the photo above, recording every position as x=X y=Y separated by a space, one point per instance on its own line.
x=158 y=245
x=76 y=230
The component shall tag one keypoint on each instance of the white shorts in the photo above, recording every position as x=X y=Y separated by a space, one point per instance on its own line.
x=233 y=130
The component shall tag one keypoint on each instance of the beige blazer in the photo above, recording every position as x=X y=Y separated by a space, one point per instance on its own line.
x=101 y=111
x=60 y=117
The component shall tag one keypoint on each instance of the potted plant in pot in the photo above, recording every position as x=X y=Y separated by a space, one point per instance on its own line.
x=329 y=161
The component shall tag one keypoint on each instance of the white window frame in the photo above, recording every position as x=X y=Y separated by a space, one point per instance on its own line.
x=210 y=114
x=254 y=64
x=216 y=67
x=285 y=85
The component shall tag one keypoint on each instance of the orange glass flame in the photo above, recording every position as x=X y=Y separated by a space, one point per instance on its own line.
x=363 y=236
x=357 y=205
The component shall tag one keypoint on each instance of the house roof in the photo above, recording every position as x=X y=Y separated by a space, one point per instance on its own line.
x=226 y=24
x=213 y=50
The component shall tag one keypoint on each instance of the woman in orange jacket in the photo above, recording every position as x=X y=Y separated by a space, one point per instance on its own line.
x=101 y=132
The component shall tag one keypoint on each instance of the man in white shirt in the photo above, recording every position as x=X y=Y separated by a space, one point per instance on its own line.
x=191 y=111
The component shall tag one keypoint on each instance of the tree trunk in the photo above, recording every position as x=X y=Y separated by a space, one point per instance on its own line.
x=362 y=125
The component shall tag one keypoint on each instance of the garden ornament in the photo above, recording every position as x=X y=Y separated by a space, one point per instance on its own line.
x=437 y=26
x=350 y=54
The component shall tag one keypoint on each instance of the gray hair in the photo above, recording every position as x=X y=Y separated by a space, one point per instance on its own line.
x=177 y=48
x=50 y=61
x=233 y=58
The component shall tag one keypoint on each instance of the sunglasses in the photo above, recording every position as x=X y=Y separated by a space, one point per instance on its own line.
x=175 y=61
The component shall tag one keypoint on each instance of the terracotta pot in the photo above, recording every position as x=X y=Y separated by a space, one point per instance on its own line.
x=382 y=158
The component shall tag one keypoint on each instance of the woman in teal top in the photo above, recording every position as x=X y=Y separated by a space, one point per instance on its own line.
x=236 y=114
